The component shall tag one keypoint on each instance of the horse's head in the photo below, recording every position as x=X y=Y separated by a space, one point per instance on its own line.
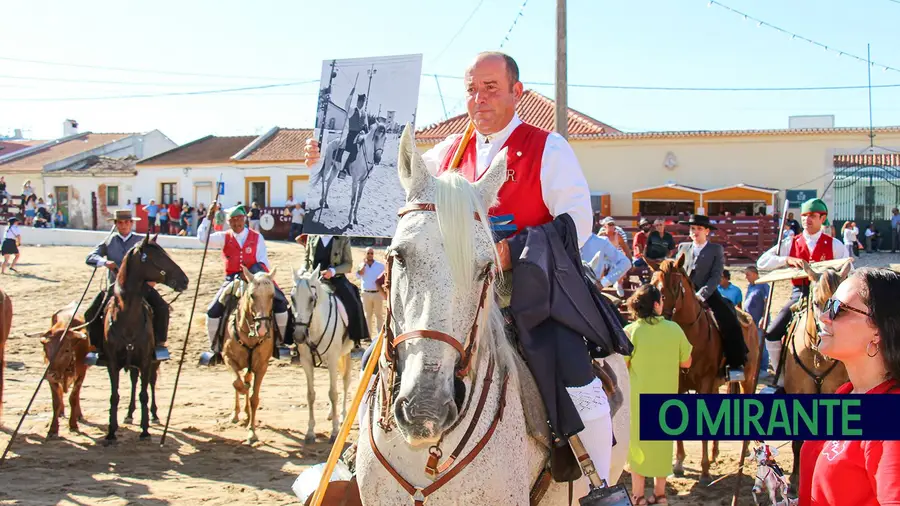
x=304 y=296
x=672 y=281
x=377 y=136
x=441 y=261
x=826 y=283
x=256 y=301
x=154 y=265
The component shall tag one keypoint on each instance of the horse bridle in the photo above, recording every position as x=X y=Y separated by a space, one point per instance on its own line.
x=433 y=467
x=366 y=159
x=314 y=347
x=252 y=330
x=678 y=295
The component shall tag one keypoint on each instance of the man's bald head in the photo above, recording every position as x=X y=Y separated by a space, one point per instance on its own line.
x=493 y=90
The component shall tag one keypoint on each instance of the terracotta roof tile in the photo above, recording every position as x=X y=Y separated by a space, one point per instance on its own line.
x=53 y=151
x=869 y=160
x=534 y=109
x=209 y=149
x=95 y=164
x=744 y=133
x=7 y=147
x=284 y=145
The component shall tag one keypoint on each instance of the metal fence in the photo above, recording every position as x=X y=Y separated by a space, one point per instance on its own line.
x=866 y=193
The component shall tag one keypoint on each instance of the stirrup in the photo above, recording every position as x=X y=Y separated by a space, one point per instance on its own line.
x=91 y=358
x=162 y=354
x=210 y=358
x=734 y=374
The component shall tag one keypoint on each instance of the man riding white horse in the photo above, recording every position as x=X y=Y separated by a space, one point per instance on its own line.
x=241 y=247
x=358 y=123
x=813 y=245
x=110 y=254
x=544 y=181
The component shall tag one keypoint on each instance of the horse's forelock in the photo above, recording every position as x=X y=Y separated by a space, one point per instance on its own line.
x=826 y=286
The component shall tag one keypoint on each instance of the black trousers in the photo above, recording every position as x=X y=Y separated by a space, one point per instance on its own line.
x=154 y=300
x=732 y=335
x=348 y=294
x=217 y=309
x=778 y=326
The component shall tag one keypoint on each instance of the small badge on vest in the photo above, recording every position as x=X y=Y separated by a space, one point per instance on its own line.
x=248 y=249
x=511 y=175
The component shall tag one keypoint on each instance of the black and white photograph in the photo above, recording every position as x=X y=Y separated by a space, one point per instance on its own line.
x=364 y=104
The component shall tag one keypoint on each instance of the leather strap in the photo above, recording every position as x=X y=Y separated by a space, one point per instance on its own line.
x=429 y=334
x=420 y=495
x=420 y=206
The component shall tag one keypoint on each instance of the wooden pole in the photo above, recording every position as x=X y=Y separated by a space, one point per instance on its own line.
x=562 y=107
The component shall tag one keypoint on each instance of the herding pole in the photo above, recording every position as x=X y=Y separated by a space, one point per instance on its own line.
x=562 y=108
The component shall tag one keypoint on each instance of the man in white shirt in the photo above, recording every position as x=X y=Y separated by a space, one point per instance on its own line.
x=544 y=181
x=813 y=245
x=373 y=302
x=241 y=247
x=297 y=216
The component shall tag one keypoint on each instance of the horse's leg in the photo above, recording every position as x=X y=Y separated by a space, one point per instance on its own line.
x=345 y=364
x=333 y=397
x=247 y=378
x=353 y=201
x=113 y=369
x=306 y=362
x=678 y=467
x=704 y=464
x=145 y=409
x=795 y=473
x=254 y=398
x=75 y=400
x=154 y=373
x=715 y=452
x=129 y=418
x=57 y=394
x=362 y=185
x=333 y=171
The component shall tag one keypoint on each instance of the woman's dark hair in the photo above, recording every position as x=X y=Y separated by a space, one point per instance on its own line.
x=640 y=305
x=879 y=293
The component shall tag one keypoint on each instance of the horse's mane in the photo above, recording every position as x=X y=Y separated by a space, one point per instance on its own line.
x=456 y=201
x=826 y=286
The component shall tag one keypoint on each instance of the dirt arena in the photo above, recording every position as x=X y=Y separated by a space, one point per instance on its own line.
x=204 y=460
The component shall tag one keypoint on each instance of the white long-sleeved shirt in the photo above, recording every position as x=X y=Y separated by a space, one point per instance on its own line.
x=370 y=275
x=217 y=240
x=772 y=260
x=563 y=186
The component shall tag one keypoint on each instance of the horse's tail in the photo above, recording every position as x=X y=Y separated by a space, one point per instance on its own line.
x=317 y=176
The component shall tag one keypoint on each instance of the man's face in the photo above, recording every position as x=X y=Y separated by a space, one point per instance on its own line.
x=370 y=255
x=660 y=226
x=610 y=230
x=812 y=222
x=124 y=227
x=699 y=234
x=752 y=276
x=490 y=97
x=723 y=282
x=236 y=223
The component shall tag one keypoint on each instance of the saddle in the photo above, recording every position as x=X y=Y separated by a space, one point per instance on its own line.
x=229 y=298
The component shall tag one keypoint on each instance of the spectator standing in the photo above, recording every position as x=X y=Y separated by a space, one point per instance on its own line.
x=660 y=243
x=895 y=230
x=164 y=220
x=660 y=349
x=255 y=214
x=152 y=212
x=4 y=195
x=219 y=224
x=297 y=216
x=728 y=290
x=174 y=213
x=373 y=303
x=12 y=239
x=755 y=304
x=850 y=234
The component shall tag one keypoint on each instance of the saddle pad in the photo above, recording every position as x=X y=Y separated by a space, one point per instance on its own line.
x=533 y=406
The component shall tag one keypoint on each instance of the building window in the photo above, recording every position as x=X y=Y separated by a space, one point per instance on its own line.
x=169 y=193
x=112 y=196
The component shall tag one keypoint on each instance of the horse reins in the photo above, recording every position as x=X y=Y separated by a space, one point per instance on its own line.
x=433 y=467
x=314 y=347
x=818 y=379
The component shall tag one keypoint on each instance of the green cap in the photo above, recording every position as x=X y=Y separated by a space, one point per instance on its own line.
x=813 y=206
x=235 y=211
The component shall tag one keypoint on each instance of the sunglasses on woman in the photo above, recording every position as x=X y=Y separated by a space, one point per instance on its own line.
x=833 y=307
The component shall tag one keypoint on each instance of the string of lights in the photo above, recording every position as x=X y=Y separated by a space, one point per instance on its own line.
x=761 y=23
x=515 y=21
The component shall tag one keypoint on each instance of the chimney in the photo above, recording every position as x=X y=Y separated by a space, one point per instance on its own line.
x=17 y=133
x=70 y=127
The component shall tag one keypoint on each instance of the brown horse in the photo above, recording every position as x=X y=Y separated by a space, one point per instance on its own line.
x=705 y=376
x=806 y=371
x=6 y=313
x=249 y=342
x=67 y=369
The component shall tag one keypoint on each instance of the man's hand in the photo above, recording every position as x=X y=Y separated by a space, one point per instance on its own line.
x=326 y=273
x=109 y=264
x=311 y=152
x=212 y=210
x=503 y=253
x=795 y=262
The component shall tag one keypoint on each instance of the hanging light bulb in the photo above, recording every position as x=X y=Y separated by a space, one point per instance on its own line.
x=759 y=24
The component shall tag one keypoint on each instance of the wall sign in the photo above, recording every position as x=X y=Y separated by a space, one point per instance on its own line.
x=798 y=197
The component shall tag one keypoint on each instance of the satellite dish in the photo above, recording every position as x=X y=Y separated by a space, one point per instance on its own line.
x=266 y=221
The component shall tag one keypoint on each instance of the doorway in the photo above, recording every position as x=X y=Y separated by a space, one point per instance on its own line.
x=61 y=194
x=257 y=189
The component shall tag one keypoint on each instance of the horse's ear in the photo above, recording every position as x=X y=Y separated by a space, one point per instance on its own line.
x=146 y=239
x=410 y=166
x=271 y=274
x=489 y=184
x=679 y=260
x=845 y=270
x=247 y=274
x=653 y=266
x=153 y=239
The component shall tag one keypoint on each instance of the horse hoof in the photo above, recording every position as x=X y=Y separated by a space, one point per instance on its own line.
x=52 y=436
x=128 y=419
x=155 y=419
x=678 y=471
x=329 y=417
x=309 y=439
x=145 y=436
x=705 y=480
x=110 y=441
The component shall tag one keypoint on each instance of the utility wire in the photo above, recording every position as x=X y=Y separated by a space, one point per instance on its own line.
x=153 y=95
x=515 y=21
x=793 y=35
x=461 y=28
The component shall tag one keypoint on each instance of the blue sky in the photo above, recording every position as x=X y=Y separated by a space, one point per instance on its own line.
x=678 y=43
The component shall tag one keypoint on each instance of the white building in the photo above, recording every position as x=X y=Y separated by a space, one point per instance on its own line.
x=109 y=180
x=268 y=169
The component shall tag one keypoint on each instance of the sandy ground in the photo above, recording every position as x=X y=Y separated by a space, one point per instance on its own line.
x=204 y=460
x=382 y=197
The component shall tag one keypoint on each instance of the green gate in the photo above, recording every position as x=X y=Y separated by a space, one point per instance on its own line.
x=866 y=187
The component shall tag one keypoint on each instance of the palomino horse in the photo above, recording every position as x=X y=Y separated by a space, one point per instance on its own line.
x=370 y=147
x=423 y=437
x=806 y=371
x=705 y=375
x=320 y=324
x=129 y=341
x=67 y=369
x=6 y=313
x=249 y=342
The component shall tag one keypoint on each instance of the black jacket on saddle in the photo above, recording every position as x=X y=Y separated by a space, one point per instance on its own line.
x=337 y=255
x=560 y=318
x=114 y=249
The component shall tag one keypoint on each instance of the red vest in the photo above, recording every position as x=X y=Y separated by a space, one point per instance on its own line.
x=823 y=251
x=521 y=194
x=235 y=256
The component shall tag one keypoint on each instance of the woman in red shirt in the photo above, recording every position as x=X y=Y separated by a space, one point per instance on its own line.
x=861 y=328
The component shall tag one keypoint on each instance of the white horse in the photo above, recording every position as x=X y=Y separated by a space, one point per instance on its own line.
x=370 y=147
x=441 y=260
x=320 y=330
x=767 y=479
